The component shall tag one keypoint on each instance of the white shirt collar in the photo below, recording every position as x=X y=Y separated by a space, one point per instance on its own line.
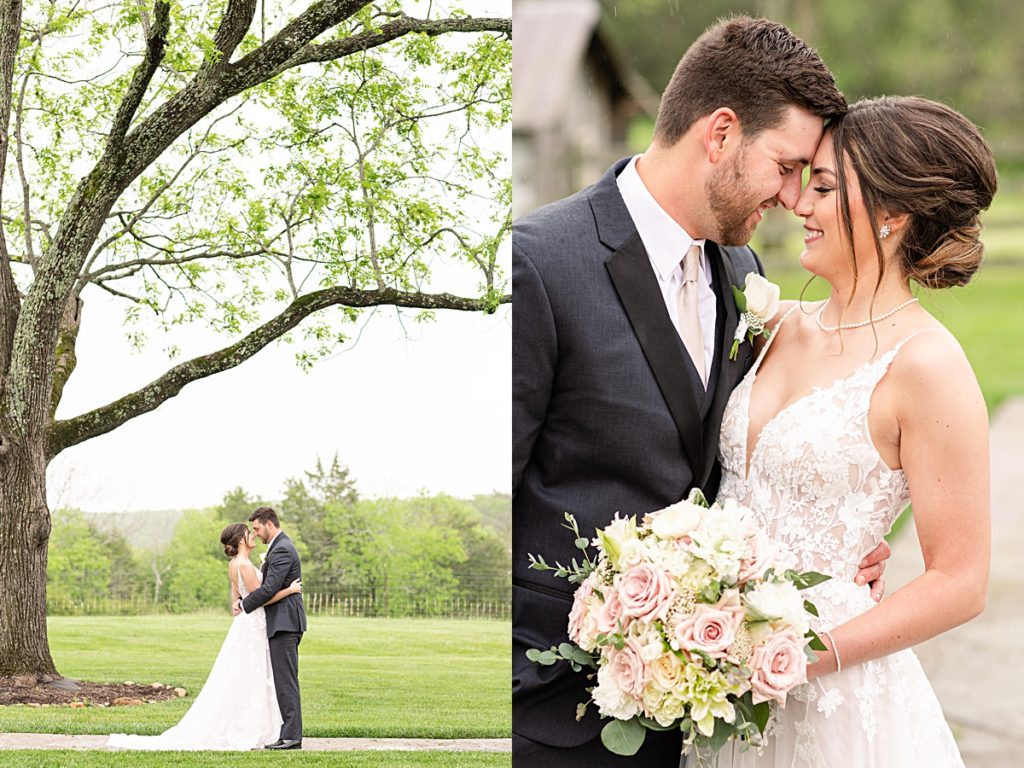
x=269 y=543
x=665 y=241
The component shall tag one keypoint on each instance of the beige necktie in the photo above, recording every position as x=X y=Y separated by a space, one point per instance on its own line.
x=689 y=315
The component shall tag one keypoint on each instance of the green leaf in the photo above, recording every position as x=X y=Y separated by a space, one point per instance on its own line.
x=816 y=643
x=721 y=734
x=583 y=658
x=807 y=579
x=582 y=543
x=547 y=658
x=696 y=496
x=609 y=546
x=741 y=300
x=624 y=737
x=762 y=712
x=810 y=608
x=566 y=650
x=654 y=725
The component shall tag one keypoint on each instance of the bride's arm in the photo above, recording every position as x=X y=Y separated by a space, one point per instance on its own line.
x=944 y=451
x=233 y=577
x=292 y=589
x=252 y=583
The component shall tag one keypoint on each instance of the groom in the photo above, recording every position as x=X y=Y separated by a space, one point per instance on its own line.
x=286 y=621
x=623 y=322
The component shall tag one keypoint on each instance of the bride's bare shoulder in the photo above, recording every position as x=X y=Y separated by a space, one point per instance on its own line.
x=931 y=364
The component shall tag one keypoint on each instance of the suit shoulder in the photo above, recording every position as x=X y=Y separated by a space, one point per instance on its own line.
x=547 y=232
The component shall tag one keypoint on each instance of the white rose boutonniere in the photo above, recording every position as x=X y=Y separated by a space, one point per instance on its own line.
x=263 y=558
x=758 y=303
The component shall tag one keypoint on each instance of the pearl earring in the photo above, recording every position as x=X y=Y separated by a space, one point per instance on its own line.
x=884 y=231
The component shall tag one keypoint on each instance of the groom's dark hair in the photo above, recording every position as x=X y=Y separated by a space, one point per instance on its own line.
x=755 y=67
x=265 y=515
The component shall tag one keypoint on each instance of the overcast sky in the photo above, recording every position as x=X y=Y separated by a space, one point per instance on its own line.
x=409 y=408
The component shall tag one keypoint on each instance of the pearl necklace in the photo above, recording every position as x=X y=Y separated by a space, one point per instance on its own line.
x=847 y=326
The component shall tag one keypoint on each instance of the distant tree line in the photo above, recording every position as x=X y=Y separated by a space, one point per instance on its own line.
x=428 y=555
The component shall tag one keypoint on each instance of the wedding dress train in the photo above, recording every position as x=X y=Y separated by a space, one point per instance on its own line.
x=818 y=487
x=237 y=707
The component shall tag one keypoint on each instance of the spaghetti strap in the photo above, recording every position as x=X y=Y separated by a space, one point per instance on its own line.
x=895 y=349
x=775 y=332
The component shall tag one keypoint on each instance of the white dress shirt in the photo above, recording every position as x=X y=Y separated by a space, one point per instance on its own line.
x=666 y=244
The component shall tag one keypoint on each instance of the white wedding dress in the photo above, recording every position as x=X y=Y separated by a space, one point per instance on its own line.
x=820 y=490
x=237 y=708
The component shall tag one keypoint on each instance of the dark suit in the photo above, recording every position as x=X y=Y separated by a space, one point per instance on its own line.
x=608 y=415
x=286 y=621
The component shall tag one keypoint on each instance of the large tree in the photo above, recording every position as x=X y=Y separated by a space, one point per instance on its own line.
x=252 y=166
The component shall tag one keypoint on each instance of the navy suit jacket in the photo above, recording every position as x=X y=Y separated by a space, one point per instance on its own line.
x=608 y=414
x=280 y=568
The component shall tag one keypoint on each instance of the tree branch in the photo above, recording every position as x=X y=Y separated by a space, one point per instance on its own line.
x=236 y=21
x=64 y=434
x=10 y=301
x=392 y=30
x=156 y=42
x=19 y=154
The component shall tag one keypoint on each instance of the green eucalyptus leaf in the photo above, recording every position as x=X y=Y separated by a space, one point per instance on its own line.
x=624 y=737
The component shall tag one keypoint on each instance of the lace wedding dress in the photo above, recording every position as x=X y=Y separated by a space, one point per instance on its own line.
x=237 y=708
x=820 y=490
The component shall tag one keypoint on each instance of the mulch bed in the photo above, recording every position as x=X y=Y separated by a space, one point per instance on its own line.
x=29 y=692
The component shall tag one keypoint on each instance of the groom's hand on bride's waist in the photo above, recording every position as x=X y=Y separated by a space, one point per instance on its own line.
x=871 y=569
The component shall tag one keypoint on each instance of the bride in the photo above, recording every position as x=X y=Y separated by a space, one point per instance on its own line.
x=858 y=406
x=237 y=707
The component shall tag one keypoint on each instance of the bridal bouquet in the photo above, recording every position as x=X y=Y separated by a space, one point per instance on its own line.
x=692 y=619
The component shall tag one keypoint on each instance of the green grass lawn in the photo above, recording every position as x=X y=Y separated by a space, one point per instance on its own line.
x=99 y=759
x=386 y=678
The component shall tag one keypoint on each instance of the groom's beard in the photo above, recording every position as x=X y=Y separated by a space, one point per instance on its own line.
x=732 y=201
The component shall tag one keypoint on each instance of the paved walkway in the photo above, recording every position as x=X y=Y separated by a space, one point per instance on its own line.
x=976 y=669
x=54 y=741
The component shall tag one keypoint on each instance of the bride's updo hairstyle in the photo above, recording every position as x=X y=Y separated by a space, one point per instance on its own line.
x=231 y=536
x=921 y=158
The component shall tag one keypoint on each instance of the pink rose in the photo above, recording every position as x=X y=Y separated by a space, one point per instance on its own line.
x=579 y=611
x=628 y=671
x=779 y=665
x=645 y=592
x=610 y=613
x=762 y=552
x=709 y=630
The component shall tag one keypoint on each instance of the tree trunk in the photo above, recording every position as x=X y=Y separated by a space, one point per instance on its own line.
x=24 y=533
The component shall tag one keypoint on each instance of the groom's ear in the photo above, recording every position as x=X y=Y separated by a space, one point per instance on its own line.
x=722 y=133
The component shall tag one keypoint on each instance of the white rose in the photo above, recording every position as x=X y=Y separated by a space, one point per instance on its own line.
x=651 y=644
x=721 y=538
x=780 y=601
x=670 y=709
x=666 y=673
x=633 y=552
x=675 y=521
x=762 y=296
x=611 y=700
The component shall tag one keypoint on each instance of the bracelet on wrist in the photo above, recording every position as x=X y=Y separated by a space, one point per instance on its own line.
x=835 y=651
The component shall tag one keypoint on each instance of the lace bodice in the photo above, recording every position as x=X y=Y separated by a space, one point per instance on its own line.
x=820 y=490
x=816 y=483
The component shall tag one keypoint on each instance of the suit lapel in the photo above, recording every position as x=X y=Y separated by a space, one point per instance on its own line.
x=630 y=271
x=272 y=545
